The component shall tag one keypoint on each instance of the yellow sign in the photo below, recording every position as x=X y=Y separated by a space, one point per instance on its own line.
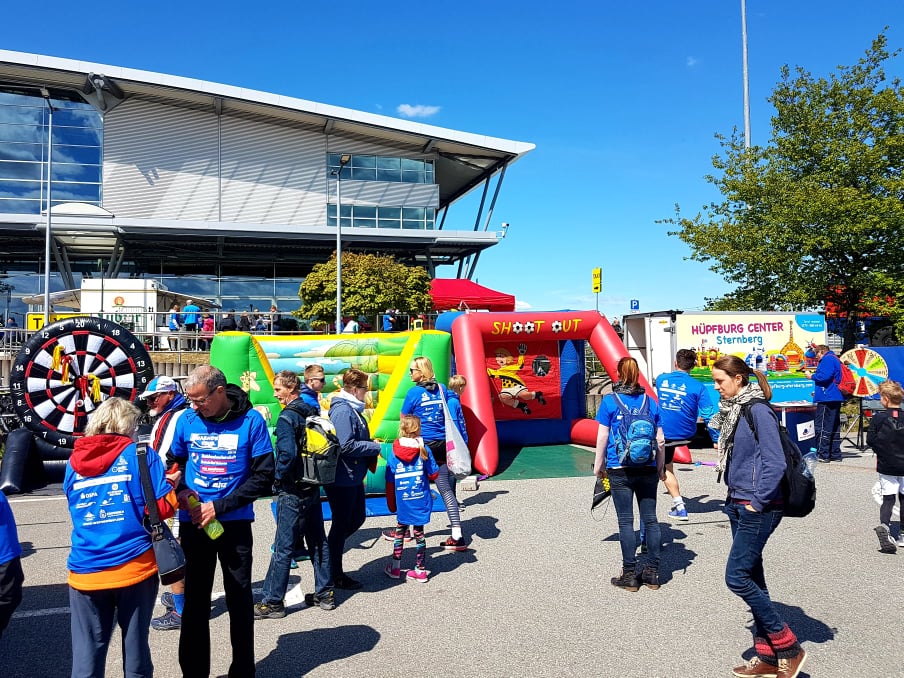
x=597 y=280
x=35 y=321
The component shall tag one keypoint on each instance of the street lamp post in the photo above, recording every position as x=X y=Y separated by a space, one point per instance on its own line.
x=343 y=161
x=47 y=234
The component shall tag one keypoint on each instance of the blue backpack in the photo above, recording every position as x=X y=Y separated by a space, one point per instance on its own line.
x=635 y=438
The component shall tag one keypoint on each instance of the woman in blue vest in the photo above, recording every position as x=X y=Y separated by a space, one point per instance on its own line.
x=112 y=569
x=630 y=479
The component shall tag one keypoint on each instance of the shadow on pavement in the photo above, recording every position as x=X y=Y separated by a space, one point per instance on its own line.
x=297 y=654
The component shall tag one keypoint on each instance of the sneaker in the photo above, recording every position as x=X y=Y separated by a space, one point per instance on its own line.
x=886 y=543
x=650 y=578
x=418 y=576
x=756 y=667
x=269 y=611
x=392 y=570
x=678 y=513
x=167 y=600
x=326 y=601
x=389 y=535
x=171 y=621
x=789 y=668
x=343 y=581
x=627 y=580
x=900 y=541
x=455 y=544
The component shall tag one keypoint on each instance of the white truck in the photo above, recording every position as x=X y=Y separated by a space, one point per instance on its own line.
x=779 y=344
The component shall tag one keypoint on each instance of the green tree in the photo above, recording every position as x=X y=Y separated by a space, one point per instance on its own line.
x=370 y=284
x=816 y=215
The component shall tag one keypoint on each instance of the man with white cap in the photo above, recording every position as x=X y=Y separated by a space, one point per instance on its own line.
x=166 y=403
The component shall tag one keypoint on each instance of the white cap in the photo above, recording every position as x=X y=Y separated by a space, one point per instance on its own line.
x=160 y=385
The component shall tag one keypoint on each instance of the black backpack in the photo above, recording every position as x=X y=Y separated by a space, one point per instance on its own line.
x=798 y=487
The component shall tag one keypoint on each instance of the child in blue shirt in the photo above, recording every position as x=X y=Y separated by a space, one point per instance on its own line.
x=410 y=468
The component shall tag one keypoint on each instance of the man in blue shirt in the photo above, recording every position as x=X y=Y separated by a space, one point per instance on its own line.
x=11 y=576
x=828 y=400
x=681 y=400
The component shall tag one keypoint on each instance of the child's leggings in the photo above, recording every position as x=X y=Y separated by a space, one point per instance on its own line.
x=420 y=544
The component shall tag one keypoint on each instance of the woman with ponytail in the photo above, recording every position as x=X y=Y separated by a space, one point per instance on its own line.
x=753 y=465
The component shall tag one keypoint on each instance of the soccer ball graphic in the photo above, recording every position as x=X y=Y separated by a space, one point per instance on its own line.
x=556 y=326
x=529 y=327
x=517 y=328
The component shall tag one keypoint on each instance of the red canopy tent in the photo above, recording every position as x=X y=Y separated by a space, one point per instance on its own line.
x=460 y=294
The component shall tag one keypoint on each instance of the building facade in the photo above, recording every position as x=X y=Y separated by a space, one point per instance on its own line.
x=218 y=191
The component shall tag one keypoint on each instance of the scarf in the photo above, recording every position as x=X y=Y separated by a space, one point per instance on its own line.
x=355 y=404
x=726 y=421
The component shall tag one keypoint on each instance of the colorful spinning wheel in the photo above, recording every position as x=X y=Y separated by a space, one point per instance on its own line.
x=868 y=369
x=65 y=370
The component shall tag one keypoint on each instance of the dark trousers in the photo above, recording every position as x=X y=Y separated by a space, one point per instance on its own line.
x=828 y=430
x=744 y=574
x=296 y=516
x=628 y=484
x=233 y=550
x=93 y=614
x=11 y=578
x=347 y=507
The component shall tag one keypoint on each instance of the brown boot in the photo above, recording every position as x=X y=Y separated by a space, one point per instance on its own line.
x=627 y=580
x=650 y=578
x=789 y=668
x=756 y=667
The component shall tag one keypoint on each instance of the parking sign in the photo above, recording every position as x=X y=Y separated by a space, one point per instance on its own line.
x=635 y=304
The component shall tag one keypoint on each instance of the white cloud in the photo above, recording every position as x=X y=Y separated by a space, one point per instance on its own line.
x=522 y=305
x=692 y=61
x=419 y=111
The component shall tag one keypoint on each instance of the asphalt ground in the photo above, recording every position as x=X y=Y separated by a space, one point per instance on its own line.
x=532 y=596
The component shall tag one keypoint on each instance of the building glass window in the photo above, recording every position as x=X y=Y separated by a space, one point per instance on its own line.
x=77 y=149
x=367 y=216
x=382 y=168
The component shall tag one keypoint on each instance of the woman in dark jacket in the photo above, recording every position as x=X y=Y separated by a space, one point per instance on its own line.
x=754 y=466
x=346 y=494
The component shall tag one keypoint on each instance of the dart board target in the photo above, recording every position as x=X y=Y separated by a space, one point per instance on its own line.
x=65 y=370
x=868 y=369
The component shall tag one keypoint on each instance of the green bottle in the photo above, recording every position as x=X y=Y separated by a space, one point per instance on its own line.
x=214 y=528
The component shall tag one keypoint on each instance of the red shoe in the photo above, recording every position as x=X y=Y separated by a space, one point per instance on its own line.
x=455 y=544
x=389 y=535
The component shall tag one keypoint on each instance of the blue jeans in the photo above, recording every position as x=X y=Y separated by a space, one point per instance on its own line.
x=828 y=430
x=642 y=483
x=93 y=616
x=744 y=570
x=298 y=515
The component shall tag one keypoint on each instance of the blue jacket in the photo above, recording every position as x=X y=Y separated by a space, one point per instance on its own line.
x=411 y=476
x=681 y=399
x=354 y=438
x=310 y=397
x=609 y=415
x=9 y=538
x=826 y=379
x=755 y=471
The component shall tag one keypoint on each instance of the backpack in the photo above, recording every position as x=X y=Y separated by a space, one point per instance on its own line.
x=847 y=383
x=798 y=488
x=318 y=449
x=635 y=438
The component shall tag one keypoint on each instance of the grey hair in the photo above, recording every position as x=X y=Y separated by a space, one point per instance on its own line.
x=206 y=375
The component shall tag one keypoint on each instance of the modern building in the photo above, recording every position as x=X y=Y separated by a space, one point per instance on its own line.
x=232 y=191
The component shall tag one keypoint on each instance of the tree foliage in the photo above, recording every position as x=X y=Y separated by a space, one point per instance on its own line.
x=370 y=284
x=815 y=215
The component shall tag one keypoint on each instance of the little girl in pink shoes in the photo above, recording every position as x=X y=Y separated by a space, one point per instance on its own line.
x=410 y=468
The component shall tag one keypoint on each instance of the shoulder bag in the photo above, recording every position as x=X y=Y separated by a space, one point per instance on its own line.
x=169 y=555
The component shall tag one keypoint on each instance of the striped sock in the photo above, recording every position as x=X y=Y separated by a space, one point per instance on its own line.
x=784 y=643
x=764 y=650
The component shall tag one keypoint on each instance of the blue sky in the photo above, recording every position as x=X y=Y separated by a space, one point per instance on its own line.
x=621 y=99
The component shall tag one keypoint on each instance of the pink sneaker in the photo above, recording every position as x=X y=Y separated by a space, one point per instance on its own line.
x=394 y=572
x=419 y=576
x=389 y=535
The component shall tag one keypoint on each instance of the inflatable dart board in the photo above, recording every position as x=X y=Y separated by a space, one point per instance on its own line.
x=65 y=370
x=868 y=369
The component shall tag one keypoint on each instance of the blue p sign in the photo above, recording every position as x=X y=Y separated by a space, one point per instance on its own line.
x=635 y=304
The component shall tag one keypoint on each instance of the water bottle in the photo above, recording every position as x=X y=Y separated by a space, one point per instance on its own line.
x=810 y=460
x=214 y=528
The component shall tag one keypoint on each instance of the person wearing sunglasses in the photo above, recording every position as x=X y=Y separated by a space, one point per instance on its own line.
x=314 y=381
x=166 y=404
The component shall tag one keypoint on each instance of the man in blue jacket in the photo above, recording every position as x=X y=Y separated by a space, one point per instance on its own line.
x=828 y=401
x=681 y=400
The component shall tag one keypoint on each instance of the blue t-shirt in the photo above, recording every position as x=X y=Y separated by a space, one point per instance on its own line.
x=609 y=415
x=414 y=501
x=428 y=405
x=681 y=399
x=107 y=512
x=9 y=538
x=190 y=314
x=218 y=456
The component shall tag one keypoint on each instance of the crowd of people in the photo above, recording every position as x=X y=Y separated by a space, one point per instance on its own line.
x=214 y=457
x=197 y=328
